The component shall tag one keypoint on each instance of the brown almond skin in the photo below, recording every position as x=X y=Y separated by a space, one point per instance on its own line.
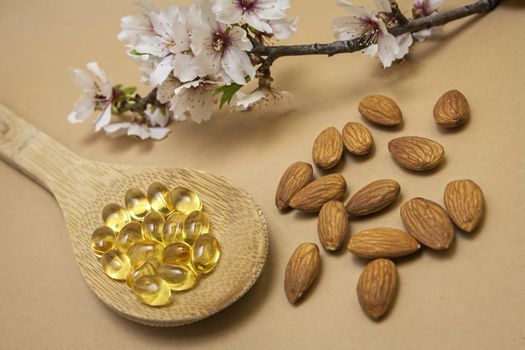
x=357 y=139
x=301 y=271
x=327 y=149
x=416 y=153
x=377 y=287
x=451 y=109
x=374 y=197
x=465 y=204
x=333 y=225
x=298 y=175
x=428 y=222
x=312 y=197
x=380 y=110
x=382 y=242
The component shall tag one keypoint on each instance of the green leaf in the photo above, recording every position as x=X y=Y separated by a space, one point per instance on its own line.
x=129 y=90
x=227 y=91
x=136 y=53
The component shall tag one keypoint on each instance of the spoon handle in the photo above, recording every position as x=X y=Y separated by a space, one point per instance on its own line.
x=34 y=153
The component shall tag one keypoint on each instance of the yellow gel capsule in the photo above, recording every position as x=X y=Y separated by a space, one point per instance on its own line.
x=129 y=235
x=152 y=226
x=145 y=250
x=159 y=198
x=185 y=200
x=115 y=217
x=152 y=290
x=146 y=267
x=196 y=223
x=205 y=253
x=115 y=264
x=178 y=277
x=102 y=240
x=137 y=203
x=178 y=253
x=173 y=230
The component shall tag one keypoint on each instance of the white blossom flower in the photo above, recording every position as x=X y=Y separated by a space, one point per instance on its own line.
x=283 y=28
x=260 y=98
x=254 y=12
x=194 y=100
x=97 y=95
x=133 y=27
x=142 y=130
x=422 y=8
x=372 y=29
x=221 y=50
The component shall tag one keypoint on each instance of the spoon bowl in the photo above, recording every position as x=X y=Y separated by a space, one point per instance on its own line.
x=82 y=188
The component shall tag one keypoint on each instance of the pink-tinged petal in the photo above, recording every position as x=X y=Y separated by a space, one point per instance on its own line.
x=162 y=71
x=163 y=21
x=388 y=49
x=355 y=10
x=153 y=45
x=422 y=35
x=104 y=118
x=237 y=65
x=283 y=29
x=180 y=37
x=83 y=108
x=227 y=11
x=82 y=79
x=271 y=9
x=239 y=38
x=138 y=130
x=257 y=23
x=117 y=129
x=158 y=133
x=347 y=28
x=184 y=67
x=207 y=16
x=433 y=5
x=383 y=5
x=404 y=42
x=94 y=68
x=166 y=90
x=201 y=39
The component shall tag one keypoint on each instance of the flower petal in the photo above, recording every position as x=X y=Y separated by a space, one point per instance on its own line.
x=283 y=28
x=237 y=65
x=227 y=11
x=422 y=35
x=94 y=68
x=355 y=10
x=239 y=38
x=157 y=117
x=383 y=5
x=158 y=133
x=117 y=129
x=166 y=90
x=162 y=71
x=346 y=28
x=82 y=79
x=185 y=67
x=83 y=108
x=404 y=42
x=254 y=21
x=104 y=118
x=138 y=130
x=388 y=49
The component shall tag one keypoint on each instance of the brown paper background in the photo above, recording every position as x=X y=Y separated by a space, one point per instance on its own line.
x=470 y=297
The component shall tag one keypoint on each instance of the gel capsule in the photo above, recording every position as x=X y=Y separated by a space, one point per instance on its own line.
x=129 y=235
x=137 y=203
x=152 y=290
x=146 y=267
x=145 y=250
x=115 y=264
x=178 y=277
x=173 y=230
x=102 y=240
x=115 y=217
x=185 y=200
x=205 y=253
x=152 y=226
x=159 y=198
x=178 y=253
x=196 y=223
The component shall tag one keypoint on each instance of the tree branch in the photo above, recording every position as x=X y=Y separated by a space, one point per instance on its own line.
x=357 y=44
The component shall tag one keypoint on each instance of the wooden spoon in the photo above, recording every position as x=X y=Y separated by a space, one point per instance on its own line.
x=82 y=188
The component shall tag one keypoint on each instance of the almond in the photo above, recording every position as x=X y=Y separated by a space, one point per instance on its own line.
x=373 y=197
x=452 y=109
x=381 y=110
x=357 y=139
x=327 y=149
x=428 y=222
x=382 y=242
x=377 y=287
x=464 y=202
x=301 y=271
x=312 y=197
x=416 y=153
x=298 y=175
x=332 y=225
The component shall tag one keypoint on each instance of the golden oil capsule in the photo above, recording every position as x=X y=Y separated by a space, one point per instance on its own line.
x=129 y=235
x=137 y=203
x=196 y=223
x=146 y=267
x=177 y=253
x=205 y=253
x=159 y=198
x=102 y=240
x=152 y=290
x=185 y=200
x=145 y=250
x=115 y=217
x=152 y=226
x=115 y=264
x=173 y=230
x=178 y=277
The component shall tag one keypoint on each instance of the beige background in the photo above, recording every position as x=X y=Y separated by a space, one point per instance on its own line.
x=470 y=297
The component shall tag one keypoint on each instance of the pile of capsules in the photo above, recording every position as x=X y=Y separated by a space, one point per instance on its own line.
x=159 y=243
